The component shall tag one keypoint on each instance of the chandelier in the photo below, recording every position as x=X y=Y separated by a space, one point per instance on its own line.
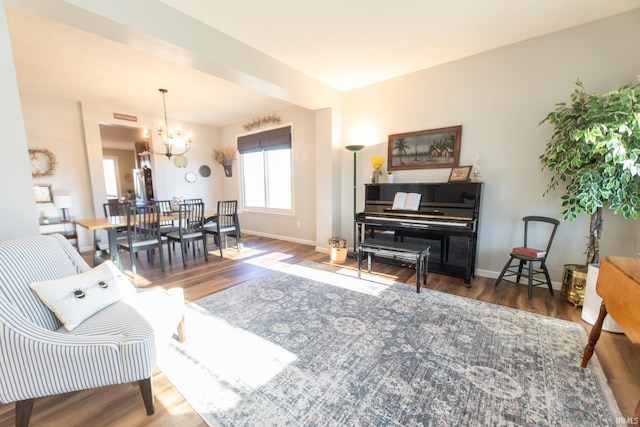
x=174 y=142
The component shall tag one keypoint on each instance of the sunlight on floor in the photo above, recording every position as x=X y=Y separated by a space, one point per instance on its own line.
x=266 y=258
x=345 y=278
x=232 y=253
x=236 y=361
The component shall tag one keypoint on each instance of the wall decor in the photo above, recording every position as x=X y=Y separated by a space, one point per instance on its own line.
x=190 y=177
x=180 y=161
x=42 y=193
x=272 y=119
x=426 y=149
x=43 y=162
x=205 y=171
x=460 y=174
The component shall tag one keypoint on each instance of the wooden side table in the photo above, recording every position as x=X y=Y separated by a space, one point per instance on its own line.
x=619 y=287
x=66 y=228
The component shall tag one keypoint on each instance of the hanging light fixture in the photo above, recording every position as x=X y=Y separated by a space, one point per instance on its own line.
x=174 y=142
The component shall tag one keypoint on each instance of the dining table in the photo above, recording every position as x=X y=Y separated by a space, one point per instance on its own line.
x=111 y=225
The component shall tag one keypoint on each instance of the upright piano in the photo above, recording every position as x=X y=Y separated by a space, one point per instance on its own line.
x=447 y=220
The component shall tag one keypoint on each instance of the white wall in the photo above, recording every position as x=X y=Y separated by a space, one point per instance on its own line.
x=300 y=226
x=19 y=215
x=499 y=97
x=56 y=125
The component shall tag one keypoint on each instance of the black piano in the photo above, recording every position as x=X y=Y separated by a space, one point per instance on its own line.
x=447 y=220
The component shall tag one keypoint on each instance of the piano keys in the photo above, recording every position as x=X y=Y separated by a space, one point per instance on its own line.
x=447 y=220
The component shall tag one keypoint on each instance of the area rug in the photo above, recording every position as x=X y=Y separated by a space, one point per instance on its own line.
x=314 y=346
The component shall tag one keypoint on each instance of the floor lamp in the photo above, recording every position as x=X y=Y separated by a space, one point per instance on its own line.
x=354 y=149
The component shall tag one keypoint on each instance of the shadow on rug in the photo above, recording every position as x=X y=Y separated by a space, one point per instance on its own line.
x=311 y=346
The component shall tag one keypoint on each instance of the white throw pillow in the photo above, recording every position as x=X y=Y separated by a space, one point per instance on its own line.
x=75 y=298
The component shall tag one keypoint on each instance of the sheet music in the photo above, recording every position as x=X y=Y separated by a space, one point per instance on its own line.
x=399 y=200
x=404 y=201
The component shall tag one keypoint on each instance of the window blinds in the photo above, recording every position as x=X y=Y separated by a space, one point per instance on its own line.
x=274 y=139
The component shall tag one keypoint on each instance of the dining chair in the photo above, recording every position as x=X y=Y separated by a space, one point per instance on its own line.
x=225 y=224
x=190 y=230
x=114 y=207
x=166 y=225
x=143 y=234
x=192 y=201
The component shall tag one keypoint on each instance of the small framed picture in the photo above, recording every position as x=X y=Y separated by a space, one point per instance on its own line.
x=42 y=192
x=460 y=174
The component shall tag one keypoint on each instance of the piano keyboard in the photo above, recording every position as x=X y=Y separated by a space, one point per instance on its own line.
x=418 y=221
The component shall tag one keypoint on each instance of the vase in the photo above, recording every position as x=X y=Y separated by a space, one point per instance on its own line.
x=227 y=170
x=592 y=301
x=375 y=176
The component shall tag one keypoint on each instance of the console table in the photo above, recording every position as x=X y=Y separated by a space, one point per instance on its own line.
x=66 y=228
x=619 y=287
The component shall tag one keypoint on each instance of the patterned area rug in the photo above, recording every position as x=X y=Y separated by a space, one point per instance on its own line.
x=312 y=345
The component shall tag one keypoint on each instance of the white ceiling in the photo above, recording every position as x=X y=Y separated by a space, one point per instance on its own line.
x=345 y=44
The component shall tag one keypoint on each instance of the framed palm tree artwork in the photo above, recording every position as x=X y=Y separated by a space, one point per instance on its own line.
x=425 y=149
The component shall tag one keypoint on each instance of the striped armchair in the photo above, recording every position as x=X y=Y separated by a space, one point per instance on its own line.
x=39 y=357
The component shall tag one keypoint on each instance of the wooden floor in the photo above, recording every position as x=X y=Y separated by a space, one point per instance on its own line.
x=122 y=405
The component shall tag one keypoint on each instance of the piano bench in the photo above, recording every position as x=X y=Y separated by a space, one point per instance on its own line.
x=419 y=253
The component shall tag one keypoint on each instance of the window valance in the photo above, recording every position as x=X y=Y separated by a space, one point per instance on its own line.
x=274 y=139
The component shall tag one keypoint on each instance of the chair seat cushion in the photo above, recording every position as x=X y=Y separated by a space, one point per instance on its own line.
x=77 y=297
x=140 y=243
x=176 y=235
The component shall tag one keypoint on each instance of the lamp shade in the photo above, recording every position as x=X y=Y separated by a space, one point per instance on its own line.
x=63 y=201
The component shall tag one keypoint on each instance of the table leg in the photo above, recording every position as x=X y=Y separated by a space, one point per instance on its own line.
x=594 y=336
x=418 y=271
x=114 y=254
x=96 y=248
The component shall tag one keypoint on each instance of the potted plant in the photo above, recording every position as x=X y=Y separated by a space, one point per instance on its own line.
x=390 y=177
x=338 y=249
x=225 y=157
x=593 y=153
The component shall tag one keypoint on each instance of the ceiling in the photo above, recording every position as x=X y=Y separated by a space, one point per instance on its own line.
x=344 y=44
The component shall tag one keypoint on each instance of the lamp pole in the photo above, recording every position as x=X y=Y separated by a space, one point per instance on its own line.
x=354 y=149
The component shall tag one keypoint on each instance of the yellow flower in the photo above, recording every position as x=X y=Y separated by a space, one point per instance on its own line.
x=376 y=161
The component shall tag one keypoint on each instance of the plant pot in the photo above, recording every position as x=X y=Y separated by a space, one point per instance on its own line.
x=390 y=177
x=592 y=302
x=574 y=279
x=338 y=255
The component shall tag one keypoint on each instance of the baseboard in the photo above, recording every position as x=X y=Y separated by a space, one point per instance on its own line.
x=278 y=237
x=557 y=286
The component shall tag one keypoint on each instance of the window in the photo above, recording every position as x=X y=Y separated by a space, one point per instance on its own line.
x=265 y=160
x=110 y=166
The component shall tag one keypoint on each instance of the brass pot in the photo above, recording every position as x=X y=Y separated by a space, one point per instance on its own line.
x=574 y=280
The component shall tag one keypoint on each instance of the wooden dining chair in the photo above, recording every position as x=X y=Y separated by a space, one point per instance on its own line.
x=166 y=225
x=190 y=230
x=143 y=234
x=225 y=224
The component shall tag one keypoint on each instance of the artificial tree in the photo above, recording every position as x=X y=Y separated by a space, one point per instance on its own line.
x=595 y=150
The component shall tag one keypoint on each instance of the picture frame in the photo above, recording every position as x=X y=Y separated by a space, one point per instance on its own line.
x=42 y=193
x=425 y=149
x=460 y=174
